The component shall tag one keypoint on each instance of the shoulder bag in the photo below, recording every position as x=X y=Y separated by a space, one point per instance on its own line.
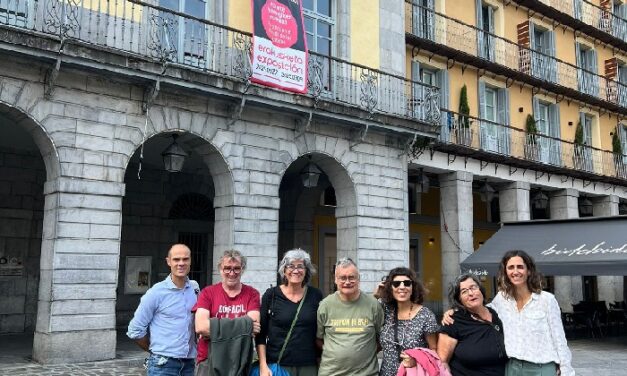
x=276 y=368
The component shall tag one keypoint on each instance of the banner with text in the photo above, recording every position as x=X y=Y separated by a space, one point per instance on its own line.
x=279 y=57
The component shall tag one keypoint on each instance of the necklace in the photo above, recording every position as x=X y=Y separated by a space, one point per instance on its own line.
x=411 y=308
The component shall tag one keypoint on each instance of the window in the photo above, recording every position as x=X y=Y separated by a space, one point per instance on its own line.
x=587 y=79
x=543 y=63
x=494 y=114
x=583 y=153
x=423 y=19
x=547 y=118
x=187 y=39
x=430 y=76
x=485 y=34
x=319 y=24
x=621 y=77
x=619 y=21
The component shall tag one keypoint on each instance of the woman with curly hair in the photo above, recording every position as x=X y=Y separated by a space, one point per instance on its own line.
x=534 y=335
x=408 y=324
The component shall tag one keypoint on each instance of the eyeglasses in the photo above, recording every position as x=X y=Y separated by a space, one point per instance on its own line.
x=464 y=292
x=405 y=282
x=295 y=267
x=232 y=270
x=347 y=278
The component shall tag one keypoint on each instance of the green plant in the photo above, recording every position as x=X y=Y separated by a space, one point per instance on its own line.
x=579 y=134
x=617 y=148
x=532 y=130
x=464 y=108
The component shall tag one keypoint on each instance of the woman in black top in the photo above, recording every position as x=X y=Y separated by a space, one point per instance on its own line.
x=473 y=344
x=278 y=308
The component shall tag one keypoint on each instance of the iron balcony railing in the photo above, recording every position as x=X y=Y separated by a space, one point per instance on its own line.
x=494 y=138
x=425 y=23
x=175 y=38
x=604 y=19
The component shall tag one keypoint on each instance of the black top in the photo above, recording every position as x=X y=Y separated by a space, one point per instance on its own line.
x=480 y=348
x=276 y=318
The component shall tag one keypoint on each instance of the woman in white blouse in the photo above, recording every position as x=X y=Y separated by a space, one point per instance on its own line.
x=532 y=323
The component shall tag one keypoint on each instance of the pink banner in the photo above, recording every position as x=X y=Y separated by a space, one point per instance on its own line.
x=279 y=57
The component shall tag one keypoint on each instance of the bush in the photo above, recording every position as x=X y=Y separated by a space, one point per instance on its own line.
x=464 y=109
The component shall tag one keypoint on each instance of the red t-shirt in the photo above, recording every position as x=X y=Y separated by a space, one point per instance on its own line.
x=214 y=299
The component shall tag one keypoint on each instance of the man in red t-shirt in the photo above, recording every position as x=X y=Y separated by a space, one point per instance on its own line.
x=229 y=298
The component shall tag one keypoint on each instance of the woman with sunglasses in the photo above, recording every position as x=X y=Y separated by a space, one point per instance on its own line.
x=408 y=324
x=279 y=306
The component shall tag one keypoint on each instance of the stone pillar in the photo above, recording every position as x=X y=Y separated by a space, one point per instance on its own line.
x=568 y=290
x=79 y=271
x=392 y=36
x=514 y=202
x=610 y=287
x=456 y=225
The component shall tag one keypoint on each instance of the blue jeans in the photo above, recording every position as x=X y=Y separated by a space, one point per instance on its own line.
x=163 y=366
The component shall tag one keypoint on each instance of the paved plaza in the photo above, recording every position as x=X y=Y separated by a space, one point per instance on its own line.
x=607 y=356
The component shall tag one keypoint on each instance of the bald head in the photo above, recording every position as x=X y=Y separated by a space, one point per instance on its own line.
x=177 y=248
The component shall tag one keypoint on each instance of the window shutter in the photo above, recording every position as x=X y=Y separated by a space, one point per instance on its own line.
x=536 y=108
x=480 y=35
x=555 y=131
x=417 y=90
x=482 y=110
x=503 y=103
x=579 y=60
x=552 y=53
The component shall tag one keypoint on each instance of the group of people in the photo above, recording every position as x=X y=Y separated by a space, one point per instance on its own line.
x=208 y=332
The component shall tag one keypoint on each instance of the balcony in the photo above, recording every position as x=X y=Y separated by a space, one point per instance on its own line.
x=137 y=34
x=464 y=43
x=494 y=142
x=582 y=15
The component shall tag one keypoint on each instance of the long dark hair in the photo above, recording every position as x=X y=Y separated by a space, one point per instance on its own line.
x=534 y=278
x=418 y=291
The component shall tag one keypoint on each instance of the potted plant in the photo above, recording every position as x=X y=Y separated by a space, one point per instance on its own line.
x=619 y=159
x=532 y=147
x=464 y=133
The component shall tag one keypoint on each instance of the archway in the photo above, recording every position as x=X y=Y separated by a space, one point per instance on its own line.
x=318 y=218
x=27 y=160
x=161 y=208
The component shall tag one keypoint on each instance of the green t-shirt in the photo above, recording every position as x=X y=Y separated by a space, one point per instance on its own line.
x=349 y=331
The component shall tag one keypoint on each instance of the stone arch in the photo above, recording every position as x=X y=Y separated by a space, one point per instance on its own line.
x=331 y=163
x=42 y=139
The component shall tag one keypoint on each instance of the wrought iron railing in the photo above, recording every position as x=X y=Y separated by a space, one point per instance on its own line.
x=175 y=38
x=439 y=28
x=495 y=138
x=598 y=17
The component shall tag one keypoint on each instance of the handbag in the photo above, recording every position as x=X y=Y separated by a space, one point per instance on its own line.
x=276 y=368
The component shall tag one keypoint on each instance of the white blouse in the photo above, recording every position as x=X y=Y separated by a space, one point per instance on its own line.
x=535 y=333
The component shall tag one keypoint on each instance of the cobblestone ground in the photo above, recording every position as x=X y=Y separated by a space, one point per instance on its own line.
x=130 y=367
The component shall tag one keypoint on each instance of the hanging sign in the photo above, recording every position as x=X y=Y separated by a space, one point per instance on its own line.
x=279 y=54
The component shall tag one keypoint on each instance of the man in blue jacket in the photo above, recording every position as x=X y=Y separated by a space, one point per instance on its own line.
x=163 y=323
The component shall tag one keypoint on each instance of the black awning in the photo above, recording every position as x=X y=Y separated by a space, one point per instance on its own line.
x=585 y=246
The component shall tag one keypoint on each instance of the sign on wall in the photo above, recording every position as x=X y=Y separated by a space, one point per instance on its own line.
x=279 y=55
x=11 y=266
x=137 y=276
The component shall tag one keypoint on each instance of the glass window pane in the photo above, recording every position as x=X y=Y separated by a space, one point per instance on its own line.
x=324 y=46
x=195 y=8
x=309 y=25
x=169 y=4
x=324 y=7
x=324 y=29
x=310 y=43
x=308 y=4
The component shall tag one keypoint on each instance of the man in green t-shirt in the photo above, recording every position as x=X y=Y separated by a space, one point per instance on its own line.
x=349 y=323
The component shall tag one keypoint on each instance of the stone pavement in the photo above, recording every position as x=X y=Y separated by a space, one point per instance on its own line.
x=607 y=356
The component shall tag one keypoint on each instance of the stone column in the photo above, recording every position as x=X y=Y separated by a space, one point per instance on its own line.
x=79 y=271
x=610 y=287
x=514 y=202
x=456 y=224
x=568 y=290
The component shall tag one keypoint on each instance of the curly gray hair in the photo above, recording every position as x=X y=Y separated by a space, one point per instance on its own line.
x=297 y=254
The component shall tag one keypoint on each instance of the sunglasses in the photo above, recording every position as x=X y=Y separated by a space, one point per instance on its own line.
x=405 y=282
